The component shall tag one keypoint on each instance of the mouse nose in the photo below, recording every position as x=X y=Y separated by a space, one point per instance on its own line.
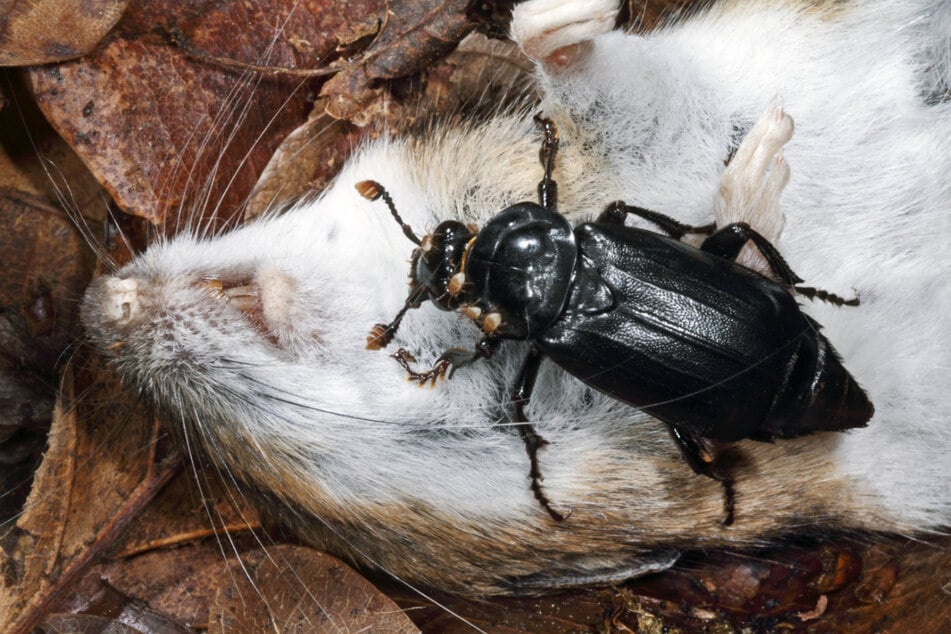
x=121 y=299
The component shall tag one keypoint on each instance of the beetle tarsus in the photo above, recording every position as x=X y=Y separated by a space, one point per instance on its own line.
x=447 y=363
x=817 y=293
x=438 y=371
x=533 y=441
x=729 y=500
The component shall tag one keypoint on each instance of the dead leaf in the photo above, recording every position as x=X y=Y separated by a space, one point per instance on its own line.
x=308 y=159
x=92 y=482
x=43 y=31
x=47 y=266
x=35 y=161
x=878 y=583
x=304 y=163
x=178 y=139
x=297 y=589
x=86 y=624
x=409 y=40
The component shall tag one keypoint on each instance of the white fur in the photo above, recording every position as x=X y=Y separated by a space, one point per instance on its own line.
x=646 y=119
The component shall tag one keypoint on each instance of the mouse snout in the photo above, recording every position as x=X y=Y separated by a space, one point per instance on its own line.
x=117 y=301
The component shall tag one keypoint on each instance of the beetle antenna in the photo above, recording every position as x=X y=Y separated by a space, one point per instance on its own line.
x=382 y=334
x=372 y=190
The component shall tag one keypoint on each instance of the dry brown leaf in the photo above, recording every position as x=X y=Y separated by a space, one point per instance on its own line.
x=252 y=588
x=46 y=269
x=297 y=589
x=178 y=583
x=163 y=135
x=92 y=482
x=304 y=163
x=310 y=156
x=168 y=133
x=187 y=511
x=410 y=38
x=43 y=31
x=36 y=161
x=87 y=624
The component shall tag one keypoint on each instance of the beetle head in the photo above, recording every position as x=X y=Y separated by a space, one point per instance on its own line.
x=436 y=268
x=438 y=261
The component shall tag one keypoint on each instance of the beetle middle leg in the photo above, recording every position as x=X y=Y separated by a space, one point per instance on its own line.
x=533 y=441
x=730 y=240
x=702 y=461
x=616 y=212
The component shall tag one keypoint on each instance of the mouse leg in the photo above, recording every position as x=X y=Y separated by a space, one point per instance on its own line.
x=557 y=33
x=751 y=184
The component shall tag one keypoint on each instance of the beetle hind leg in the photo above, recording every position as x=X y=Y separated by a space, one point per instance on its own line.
x=701 y=459
x=616 y=212
x=730 y=240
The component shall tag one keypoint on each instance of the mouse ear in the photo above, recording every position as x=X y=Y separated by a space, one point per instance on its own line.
x=372 y=190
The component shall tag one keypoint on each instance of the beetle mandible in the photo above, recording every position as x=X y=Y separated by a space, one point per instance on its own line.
x=715 y=350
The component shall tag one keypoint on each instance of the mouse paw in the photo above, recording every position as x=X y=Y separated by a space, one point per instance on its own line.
x=753 y=181
x=555 y=32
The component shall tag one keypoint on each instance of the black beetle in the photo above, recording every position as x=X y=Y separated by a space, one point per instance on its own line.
x=713 y=349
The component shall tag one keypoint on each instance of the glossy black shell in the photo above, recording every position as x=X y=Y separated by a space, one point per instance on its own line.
x=521 y=266
x=698 y=341
x=694 y=339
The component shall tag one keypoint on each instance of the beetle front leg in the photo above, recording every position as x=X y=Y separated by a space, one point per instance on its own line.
x=701 y=460
x=533 y=441
x=730 y=240
x=448 y=362
x=616 y=212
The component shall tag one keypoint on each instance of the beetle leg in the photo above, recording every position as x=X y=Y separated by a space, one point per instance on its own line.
x=728 y=241
x=547 y=187
x=702 y=461
x=616 y=212
x=448 y=362
x=404 y=357
x=533 y=441
x=826 y=296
